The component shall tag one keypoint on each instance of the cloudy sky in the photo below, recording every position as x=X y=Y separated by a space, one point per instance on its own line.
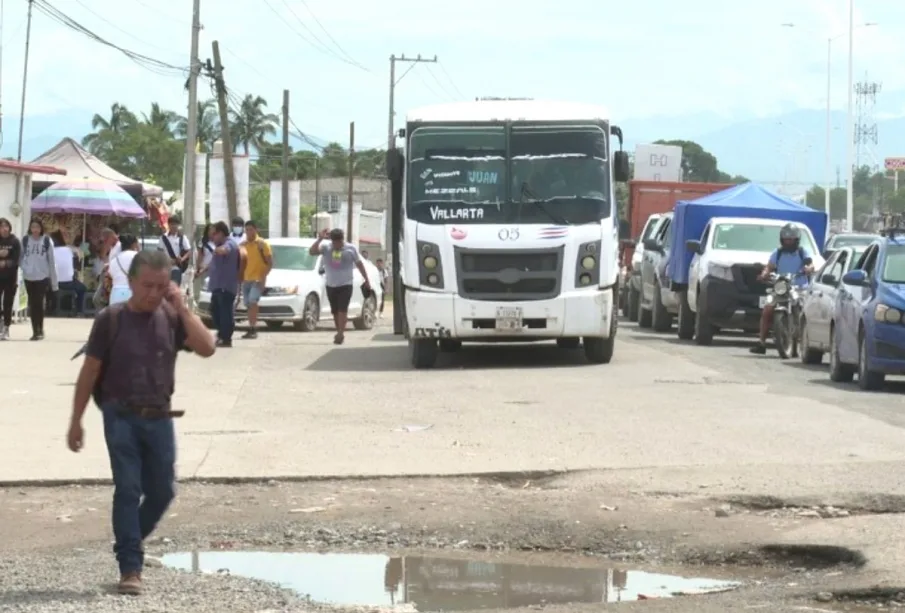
x=646 y=58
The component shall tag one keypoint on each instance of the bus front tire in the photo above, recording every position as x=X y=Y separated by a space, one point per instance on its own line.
x=423 y=352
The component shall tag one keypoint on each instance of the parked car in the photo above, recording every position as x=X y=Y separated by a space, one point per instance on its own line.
x=848 y=239
x=819 y=302
x=723 y=287
x=659 y=304
x=867 y=334
x=296 y=292
x=633 y=301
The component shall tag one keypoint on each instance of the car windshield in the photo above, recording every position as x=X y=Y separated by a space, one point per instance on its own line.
x=292 y=257
x=851 y=240
x=652 y=225
x=894 y=267
x=521 y=174
x=754 y=237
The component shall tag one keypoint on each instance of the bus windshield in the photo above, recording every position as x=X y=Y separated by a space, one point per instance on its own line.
x=520 y=174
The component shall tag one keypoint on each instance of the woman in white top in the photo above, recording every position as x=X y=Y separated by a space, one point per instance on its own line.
x=118 y=269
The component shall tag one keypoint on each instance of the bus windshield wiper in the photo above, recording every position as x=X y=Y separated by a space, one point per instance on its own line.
x=540 y=204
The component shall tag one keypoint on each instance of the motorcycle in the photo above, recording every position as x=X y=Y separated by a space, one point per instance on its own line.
x=785 y=297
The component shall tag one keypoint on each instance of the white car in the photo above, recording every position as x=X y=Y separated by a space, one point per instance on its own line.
x=296 y=292
x=723 y=288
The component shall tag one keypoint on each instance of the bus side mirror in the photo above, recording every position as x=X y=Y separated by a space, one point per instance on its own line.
x=621 y=166
x=395 y=165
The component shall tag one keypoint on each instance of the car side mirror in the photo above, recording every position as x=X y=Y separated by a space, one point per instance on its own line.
x=829 y=280
x=621 y=167
x=858 y=278
x=321 y=271
x=651 y=244
x=693 y=246
x=395 y=165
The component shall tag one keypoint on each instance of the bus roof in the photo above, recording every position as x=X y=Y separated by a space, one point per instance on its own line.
x=508 y=110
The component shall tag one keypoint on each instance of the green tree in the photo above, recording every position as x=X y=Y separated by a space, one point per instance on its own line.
x=208 y=125
x=252 y=124
x=161 y=120
x=108 y=131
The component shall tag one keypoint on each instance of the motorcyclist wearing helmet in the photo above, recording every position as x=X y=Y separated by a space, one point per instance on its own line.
x=789 y=259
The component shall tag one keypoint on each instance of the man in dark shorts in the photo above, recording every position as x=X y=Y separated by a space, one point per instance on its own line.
x=129 y=370
x=340 y=259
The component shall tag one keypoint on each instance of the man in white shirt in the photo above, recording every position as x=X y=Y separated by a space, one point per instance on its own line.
x=65 y=266
x=177 y=246
x=111 y=240
x=238 y=231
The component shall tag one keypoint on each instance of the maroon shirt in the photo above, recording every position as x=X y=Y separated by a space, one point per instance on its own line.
x=140 y=363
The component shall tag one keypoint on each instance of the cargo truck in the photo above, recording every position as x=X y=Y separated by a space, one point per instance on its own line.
x=648 y=199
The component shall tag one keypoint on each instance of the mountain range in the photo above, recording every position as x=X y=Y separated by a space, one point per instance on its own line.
x=786 y=150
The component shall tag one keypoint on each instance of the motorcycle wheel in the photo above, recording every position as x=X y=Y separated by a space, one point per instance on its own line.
x=782 y=334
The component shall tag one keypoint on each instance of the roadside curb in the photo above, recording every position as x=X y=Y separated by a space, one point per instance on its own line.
x=497 y=475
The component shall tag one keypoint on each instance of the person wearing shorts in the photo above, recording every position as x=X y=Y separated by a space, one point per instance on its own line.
x=339 y=259
x=259 y=261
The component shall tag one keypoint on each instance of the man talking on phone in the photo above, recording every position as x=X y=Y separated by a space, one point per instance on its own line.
x=339 y=259
x=133 y=389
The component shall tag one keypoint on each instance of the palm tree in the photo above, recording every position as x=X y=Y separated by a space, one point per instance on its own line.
x=161 y=120
x=251 y=124
x=121 y=119
x=208 y=125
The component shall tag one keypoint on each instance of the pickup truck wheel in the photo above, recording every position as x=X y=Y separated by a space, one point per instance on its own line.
x=868 y=380
x=686 y=319
x=423 y=352
x=661 y=320
x=568 y=343
x=703 y=329
x=633 y=304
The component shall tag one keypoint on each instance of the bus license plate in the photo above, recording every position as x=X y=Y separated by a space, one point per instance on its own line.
x=763 y=301
x=508 y=319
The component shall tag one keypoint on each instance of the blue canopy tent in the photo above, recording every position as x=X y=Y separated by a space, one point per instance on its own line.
x=745 y=200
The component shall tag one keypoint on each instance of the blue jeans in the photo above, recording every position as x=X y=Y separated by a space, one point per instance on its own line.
x=176 y=276
x=143 y=461
x=78 y=288
x=223 y=304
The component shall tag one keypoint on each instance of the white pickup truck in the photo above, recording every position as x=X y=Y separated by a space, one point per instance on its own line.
x=723 y=290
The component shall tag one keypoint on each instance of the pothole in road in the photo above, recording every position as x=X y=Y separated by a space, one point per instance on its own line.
x=438 y=584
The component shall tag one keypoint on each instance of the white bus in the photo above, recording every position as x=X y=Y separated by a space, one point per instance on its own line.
x=509 y=230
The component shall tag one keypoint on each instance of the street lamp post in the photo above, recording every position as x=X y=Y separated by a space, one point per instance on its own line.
x=850 y=120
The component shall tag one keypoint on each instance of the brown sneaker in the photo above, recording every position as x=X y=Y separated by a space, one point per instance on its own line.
x=130 y=584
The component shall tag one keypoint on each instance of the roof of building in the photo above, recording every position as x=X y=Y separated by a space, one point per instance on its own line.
x=30 y=168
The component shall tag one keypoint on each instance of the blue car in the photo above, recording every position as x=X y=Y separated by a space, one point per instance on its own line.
x=867 y=333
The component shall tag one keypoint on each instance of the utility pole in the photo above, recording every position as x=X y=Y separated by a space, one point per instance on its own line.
x=31 y=5
x=284 y=192
x=394 y=225
x=349 y=212
x=229 y=171
x=191 y=129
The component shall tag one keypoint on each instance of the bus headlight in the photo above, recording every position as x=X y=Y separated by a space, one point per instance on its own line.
x=587 y=265
x=430 y=265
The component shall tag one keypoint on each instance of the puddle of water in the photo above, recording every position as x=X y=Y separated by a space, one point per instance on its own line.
x=434 y=584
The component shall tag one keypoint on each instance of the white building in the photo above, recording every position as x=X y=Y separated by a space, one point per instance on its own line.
x=15 y=191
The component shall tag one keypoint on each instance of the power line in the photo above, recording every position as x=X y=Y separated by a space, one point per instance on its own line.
x=318 y=47
x=330 y=36
x=437 y=81
x=145 y=61
x=451 y=81
x=116 y=27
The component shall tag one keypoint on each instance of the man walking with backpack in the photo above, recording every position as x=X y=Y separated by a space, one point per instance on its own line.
x=177 y=246
x=133 y=389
